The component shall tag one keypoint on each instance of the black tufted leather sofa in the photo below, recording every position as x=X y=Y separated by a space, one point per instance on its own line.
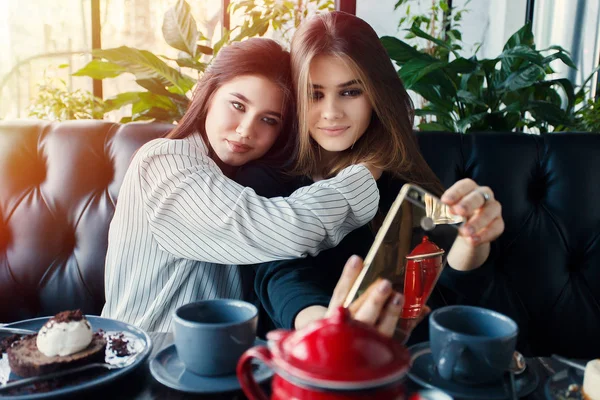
x=59 y=184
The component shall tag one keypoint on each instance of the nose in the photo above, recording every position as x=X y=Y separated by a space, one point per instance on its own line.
x=331 y=109
x=244 y=128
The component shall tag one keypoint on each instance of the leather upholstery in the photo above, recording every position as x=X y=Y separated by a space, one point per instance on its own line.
x=58 y=188
x=59 y=184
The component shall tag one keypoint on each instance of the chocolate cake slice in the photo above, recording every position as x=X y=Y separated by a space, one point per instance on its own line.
x=26 y=360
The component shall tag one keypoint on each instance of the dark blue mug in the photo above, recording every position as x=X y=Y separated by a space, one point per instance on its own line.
x=211 y=335
x=471 y=344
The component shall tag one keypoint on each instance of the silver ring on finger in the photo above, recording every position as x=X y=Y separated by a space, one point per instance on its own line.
x=486 y=196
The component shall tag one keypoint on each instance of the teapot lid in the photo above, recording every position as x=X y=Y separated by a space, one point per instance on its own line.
x=338 y=353
x=425 y=249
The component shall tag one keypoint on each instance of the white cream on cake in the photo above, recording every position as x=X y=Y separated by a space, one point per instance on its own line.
x=64 y=338
x=591 y=380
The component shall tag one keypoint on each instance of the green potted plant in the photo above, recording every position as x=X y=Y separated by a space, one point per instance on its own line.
x=506 y=93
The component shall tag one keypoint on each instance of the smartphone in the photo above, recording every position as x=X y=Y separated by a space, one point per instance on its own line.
x=409 y=248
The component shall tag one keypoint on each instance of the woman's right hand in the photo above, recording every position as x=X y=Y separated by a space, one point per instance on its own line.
x=379 y=306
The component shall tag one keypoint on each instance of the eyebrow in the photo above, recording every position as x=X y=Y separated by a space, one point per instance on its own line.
x=341 y=85
x=246 y=100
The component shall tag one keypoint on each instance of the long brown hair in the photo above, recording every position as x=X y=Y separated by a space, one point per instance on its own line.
x=256 y=56
x=389 y=142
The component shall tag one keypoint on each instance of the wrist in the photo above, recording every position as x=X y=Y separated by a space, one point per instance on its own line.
x=308 y=315
x=463 y=256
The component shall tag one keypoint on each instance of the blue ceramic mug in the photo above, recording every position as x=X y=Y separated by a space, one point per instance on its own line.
x=211 y=335
x=471 y=344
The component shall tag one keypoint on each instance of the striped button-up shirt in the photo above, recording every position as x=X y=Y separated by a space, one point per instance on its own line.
x=180 y=227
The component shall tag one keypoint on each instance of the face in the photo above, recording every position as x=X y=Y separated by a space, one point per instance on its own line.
x=244 y=119
x=340 y=111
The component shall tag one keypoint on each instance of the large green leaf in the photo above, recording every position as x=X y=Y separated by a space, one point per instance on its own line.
x=524 y=77
x=434 y=94
x=469 y=98
x=521 y=52
x=433 y=127
x=98 y=69
x=523 y=36
x=562 y=56
x=122 y=99
x=464 y=123
x=414 y=70
x=420 y=33
x=400 y=51
x=462 y=65
x=547 y=112
x=155 y=86
x=179 y=28
x=567 y=87
x=145 y=65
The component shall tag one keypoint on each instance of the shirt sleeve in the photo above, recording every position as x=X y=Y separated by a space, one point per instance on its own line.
x=195 y=212
x=287 y=287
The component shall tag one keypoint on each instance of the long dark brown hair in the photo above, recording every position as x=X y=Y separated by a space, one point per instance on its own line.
x=256 y=56
x=389 y=142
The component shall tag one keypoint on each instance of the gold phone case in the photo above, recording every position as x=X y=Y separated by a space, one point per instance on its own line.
x=414 y=214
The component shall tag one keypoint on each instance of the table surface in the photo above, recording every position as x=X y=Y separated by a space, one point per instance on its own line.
x=140 y=385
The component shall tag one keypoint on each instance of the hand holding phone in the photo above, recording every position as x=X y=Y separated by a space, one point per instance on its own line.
x=408 y=251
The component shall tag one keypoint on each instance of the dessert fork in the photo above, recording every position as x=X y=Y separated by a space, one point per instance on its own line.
x=118 y=364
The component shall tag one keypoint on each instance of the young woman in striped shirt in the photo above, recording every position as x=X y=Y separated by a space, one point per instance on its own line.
x=181 y=224
x=353 y=107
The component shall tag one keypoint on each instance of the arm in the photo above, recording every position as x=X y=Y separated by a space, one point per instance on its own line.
x=195 y=212
x=295 y=292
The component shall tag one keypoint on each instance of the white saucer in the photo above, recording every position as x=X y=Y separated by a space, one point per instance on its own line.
x=168 y=369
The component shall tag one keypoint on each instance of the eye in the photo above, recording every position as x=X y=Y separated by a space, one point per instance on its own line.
x=238 y=106
x=315 y=95
x=270 y=121
x=352 y=92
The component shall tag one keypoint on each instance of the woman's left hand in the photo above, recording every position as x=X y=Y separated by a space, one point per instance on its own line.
x=482 y=212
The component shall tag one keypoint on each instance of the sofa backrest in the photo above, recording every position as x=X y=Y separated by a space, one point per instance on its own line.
x=59 y=184
x=547 y=276
x=58 y=188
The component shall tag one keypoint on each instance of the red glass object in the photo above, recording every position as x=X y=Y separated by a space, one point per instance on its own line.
x=331 y=359
x=423 y=266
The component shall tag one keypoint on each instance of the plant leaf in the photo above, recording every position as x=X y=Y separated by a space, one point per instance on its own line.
x=402 y=52
x=522 y=78
x=523 y=36
x=462 y=65
x=412 y=71
x=522 y=53
x=420 y=33
x=122 y=99
x=469 y=98
x=432 y=126
x=464 y=123
x=145 y=65
x=562 y=56
x=179 y=28
x=98 y=69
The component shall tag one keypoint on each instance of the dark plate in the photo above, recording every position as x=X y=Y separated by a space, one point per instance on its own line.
x=424 y=373
x=139 y=341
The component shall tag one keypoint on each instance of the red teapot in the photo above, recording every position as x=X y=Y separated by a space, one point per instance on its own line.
x=331 y=359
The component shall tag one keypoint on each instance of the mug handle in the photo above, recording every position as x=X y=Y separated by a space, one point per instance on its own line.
x=448 y=358
x=244 y=371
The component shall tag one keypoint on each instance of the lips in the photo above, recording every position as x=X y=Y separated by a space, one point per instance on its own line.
x=238 y=147
x=333 y=130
